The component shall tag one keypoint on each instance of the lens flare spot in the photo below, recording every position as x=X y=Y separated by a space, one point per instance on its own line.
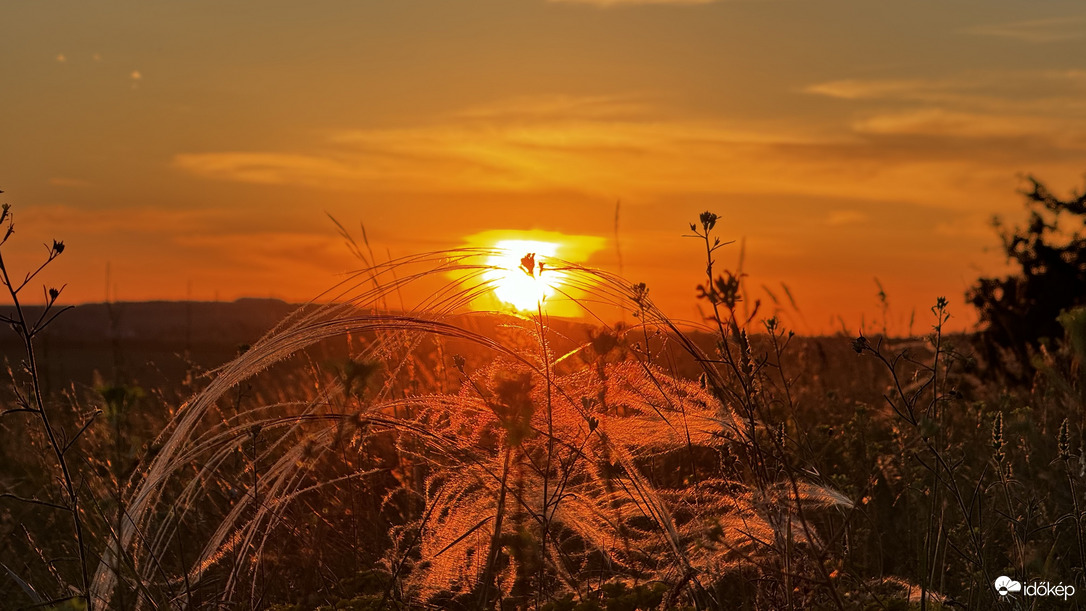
x=521 y=276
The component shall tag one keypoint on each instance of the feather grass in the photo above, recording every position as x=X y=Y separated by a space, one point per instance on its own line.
x=534 y=473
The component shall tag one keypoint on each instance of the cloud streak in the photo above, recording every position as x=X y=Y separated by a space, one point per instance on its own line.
x=652 y=156
x=949 y=124
x=1047 y=108
x=894 y=166
x=614 y=3
x=1044 y=91
x=1036 y=31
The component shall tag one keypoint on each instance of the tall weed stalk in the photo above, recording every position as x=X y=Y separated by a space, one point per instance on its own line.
x=30 y=398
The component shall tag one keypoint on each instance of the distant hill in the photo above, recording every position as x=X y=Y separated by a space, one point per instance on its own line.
x=146 y=342
x=174 y=322
x=157 y=344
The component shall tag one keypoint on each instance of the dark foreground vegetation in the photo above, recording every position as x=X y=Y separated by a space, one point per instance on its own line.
x=363 y=457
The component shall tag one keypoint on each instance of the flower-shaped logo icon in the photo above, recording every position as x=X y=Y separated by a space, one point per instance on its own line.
x=1005 y=585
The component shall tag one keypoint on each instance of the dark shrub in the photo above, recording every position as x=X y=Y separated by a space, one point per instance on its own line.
x=1019 y=311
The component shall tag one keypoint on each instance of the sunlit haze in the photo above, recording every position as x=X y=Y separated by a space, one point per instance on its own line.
x=194 y=150
x=524 y=286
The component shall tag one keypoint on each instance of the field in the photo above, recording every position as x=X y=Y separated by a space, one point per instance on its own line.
x=542 y=305
x=362 y=455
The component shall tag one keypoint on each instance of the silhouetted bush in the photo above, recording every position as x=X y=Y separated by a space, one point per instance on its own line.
x=1019 y=311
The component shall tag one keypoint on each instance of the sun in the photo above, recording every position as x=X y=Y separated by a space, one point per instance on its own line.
x=558 y=289
x=519 y=287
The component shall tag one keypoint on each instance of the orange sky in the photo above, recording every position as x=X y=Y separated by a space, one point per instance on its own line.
x=195 y=147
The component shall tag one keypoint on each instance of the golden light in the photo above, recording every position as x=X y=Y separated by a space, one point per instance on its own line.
x=514 y=283
x=552 y=288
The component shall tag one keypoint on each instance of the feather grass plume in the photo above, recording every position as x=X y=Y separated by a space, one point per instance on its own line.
x=516 y=474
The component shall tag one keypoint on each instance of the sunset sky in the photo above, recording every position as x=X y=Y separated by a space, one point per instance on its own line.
x=195 y=147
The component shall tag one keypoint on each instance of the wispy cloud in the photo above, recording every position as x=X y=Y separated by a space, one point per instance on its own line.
x=875 y=89
x=269 y=249
x=939 y=122
x=1040 y=90
x=1053 y=29
x=564 y=107
x=75 y=183
x=837 y=218
x=609 y=3
x=503 y=147
x=272 y=168
x=654 y=157
x=1047 y=107
x=116 y=221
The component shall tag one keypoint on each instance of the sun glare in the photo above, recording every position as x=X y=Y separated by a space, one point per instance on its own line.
x=555 y=288
x=524 y=289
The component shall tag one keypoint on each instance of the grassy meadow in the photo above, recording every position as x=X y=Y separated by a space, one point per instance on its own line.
x=371 y=452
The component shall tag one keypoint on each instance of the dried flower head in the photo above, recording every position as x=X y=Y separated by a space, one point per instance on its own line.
x=1063 y=441
x=527 y=263
x=859 y=344
x=997 y=437
x=708 y=220
x=640 y=293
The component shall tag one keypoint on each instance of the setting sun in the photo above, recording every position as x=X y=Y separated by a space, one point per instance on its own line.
x=514 y=287
x=514 y=284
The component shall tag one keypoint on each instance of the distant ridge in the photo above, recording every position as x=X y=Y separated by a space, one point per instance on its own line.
x=171 y=322
x=149 y=342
